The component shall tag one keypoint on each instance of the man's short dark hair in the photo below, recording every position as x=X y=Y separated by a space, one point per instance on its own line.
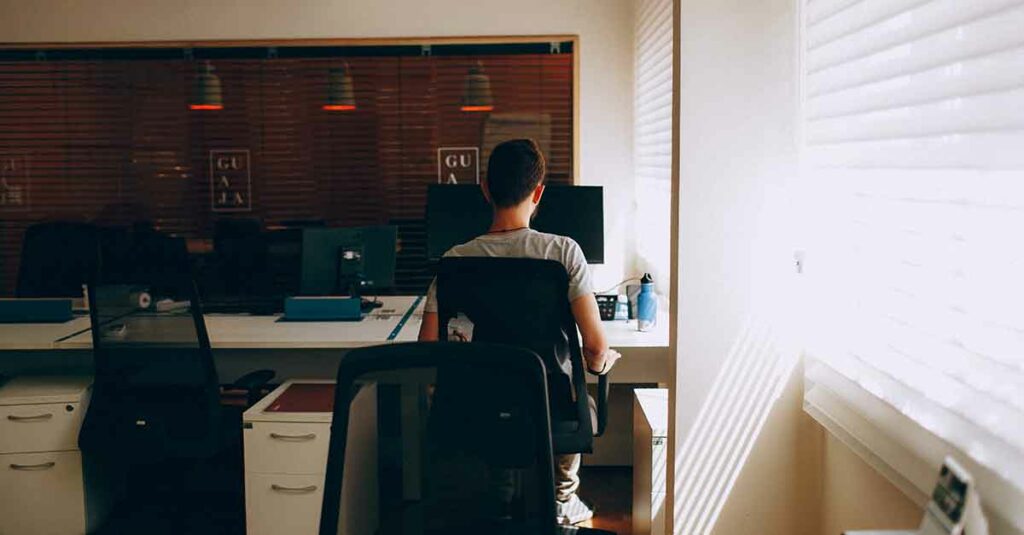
x=515 y=168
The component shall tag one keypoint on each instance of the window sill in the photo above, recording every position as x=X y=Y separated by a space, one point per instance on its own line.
x=902 y=451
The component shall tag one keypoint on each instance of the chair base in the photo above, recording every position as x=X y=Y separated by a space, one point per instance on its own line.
x=180 y=496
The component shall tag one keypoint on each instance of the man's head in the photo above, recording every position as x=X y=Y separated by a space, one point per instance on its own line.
x=515 y=174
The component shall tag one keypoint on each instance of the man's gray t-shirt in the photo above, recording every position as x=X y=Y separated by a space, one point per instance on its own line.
x=526 y=243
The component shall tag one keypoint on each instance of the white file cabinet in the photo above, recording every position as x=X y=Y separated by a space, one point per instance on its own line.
x=286 y=438
x=650 y=443
x=42 y=486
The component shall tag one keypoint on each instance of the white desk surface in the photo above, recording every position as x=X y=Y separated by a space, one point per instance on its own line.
x=230 y=331
x=623 y=334
x=645 y=357
x=34 y=336
x=267 y=332
x=645 y=360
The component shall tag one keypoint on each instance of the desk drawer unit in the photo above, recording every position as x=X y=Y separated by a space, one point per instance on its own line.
x=280 y=503
x=286 y=438
x=42 y=484
x=286 y=448
x=42 y=493
x=650 y=437
x=43 y=427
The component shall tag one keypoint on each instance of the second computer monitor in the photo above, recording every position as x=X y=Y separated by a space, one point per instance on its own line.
x=459 y=213
x=334 y=259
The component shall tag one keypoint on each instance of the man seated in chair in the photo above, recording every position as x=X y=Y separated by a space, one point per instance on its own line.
x=514 y=187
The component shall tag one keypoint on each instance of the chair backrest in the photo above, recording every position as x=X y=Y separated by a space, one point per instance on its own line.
x=524 y=302
x=140 y=255
x=57 y=258
x=466 y=423
x=155 y=392
x=240 y=246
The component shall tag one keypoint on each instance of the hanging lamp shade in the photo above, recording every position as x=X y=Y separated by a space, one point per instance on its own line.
x=341 y=95
x=476 y=90
x=206 y=94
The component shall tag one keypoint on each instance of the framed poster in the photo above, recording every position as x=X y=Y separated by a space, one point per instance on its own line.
x=15 y=183
x=458 y=165
x=230 y=181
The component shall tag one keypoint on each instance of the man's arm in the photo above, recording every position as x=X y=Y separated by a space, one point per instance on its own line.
x=428 y=328
x=600 y=358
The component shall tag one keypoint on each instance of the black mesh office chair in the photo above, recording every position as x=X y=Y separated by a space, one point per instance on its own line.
x=481 y=433
x=155 y=420
x=524 y=302
x=140 y=254
x=57 y=258
x=240 y=246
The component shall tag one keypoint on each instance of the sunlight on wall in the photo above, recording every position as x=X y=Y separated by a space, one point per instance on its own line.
x=750 y=380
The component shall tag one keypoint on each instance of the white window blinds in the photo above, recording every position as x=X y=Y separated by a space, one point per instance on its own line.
x=652 y=132
x=913 y=160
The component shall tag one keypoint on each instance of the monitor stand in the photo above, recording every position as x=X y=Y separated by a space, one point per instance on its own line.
x=351 y=280
x=352 y=286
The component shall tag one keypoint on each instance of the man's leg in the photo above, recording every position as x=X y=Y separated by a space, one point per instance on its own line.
x=570 y=509
x=567 y=476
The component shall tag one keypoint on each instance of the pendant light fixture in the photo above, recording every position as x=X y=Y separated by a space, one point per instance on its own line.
x=206 y=94
x=341 y=95
x=476 y=90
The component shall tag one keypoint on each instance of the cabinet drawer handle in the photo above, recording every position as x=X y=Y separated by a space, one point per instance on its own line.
x=298 y=490
x=40 y=466
x=293 y=438
x=36 y=418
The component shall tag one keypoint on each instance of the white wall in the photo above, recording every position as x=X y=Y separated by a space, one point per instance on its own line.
x=779 y=489
x=604 y=28
x=800 y=480
x=855 y=496
x=737 y=154
x=737 y=137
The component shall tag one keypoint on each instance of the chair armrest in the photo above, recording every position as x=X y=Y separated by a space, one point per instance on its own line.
x=602 y=404
x=253 y=383
x=254 y=379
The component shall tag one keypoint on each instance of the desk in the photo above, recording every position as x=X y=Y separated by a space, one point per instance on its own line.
x=241 y=343
x=623 y=334
x=645 y=357
x=313 y=350
x=299 y=349
x=39 y=336
x=394 y=322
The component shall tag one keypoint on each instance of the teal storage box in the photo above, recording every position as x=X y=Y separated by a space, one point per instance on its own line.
x=40 y=310
x=322 y=309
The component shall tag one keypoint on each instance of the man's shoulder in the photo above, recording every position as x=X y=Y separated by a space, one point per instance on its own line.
x=558 y=238
x=563 y=243
x=469 y=248
x=534 y=244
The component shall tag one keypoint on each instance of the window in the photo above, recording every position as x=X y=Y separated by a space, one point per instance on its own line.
x=652 y=134
x=106 y=135
x=913 y=119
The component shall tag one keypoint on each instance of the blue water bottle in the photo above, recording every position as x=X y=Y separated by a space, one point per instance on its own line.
x=646 y=304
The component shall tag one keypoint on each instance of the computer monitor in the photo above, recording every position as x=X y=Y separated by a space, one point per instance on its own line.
x=348 y=260
x=457 y=213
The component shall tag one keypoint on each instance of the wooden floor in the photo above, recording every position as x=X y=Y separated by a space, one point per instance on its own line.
x=609 y=490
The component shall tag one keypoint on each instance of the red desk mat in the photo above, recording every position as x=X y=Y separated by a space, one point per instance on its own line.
x=305 y=397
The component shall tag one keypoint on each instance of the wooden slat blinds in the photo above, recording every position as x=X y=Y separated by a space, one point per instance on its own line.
x=110 y=138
